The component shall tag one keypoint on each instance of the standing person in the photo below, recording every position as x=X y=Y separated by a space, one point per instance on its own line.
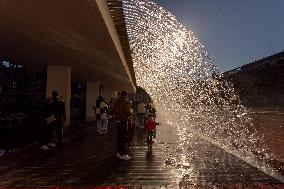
x=101 y=115
x=121 y=112
x=141 y=110
x=49 y=124
x=58 y=108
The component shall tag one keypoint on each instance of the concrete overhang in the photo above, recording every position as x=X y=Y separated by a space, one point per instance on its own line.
x=77 y=34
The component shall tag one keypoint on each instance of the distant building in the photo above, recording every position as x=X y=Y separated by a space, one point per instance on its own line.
x=23 y=89
x=260 y=83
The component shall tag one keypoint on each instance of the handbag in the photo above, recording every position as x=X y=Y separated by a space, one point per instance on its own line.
x=50 y=119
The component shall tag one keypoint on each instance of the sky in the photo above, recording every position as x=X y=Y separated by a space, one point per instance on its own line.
x=234 y=32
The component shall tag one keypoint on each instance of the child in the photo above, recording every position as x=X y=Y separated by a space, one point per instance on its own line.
x=151 y=128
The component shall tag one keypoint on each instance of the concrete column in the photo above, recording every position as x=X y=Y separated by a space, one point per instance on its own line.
x=59 y=79
x=108 y=94
x=93 y=91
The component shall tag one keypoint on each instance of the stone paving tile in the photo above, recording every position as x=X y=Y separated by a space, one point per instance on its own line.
x=89 y=159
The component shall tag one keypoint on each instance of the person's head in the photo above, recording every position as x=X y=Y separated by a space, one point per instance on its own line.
x=150 y=115
x=54 y=95
x=99 y=100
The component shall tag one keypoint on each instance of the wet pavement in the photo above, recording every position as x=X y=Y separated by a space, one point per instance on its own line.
x=86 y=159
x=89 y=159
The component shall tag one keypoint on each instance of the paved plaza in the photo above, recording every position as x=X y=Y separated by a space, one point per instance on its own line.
x=88 y=159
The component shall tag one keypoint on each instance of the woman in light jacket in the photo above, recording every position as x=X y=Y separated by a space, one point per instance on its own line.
x=101 y=115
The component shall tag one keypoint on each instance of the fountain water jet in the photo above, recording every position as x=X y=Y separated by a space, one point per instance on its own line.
x=172 y=65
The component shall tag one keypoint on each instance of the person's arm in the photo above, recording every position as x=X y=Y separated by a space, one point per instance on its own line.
x=156 y=123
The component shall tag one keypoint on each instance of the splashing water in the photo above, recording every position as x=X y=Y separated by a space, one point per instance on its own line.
x=172 y=65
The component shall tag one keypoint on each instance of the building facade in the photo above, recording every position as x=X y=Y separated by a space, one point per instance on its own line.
x=260 y=83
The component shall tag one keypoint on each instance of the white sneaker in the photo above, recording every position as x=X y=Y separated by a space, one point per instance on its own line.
x=125 y=157
x=51 y=144
x=44 y=147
